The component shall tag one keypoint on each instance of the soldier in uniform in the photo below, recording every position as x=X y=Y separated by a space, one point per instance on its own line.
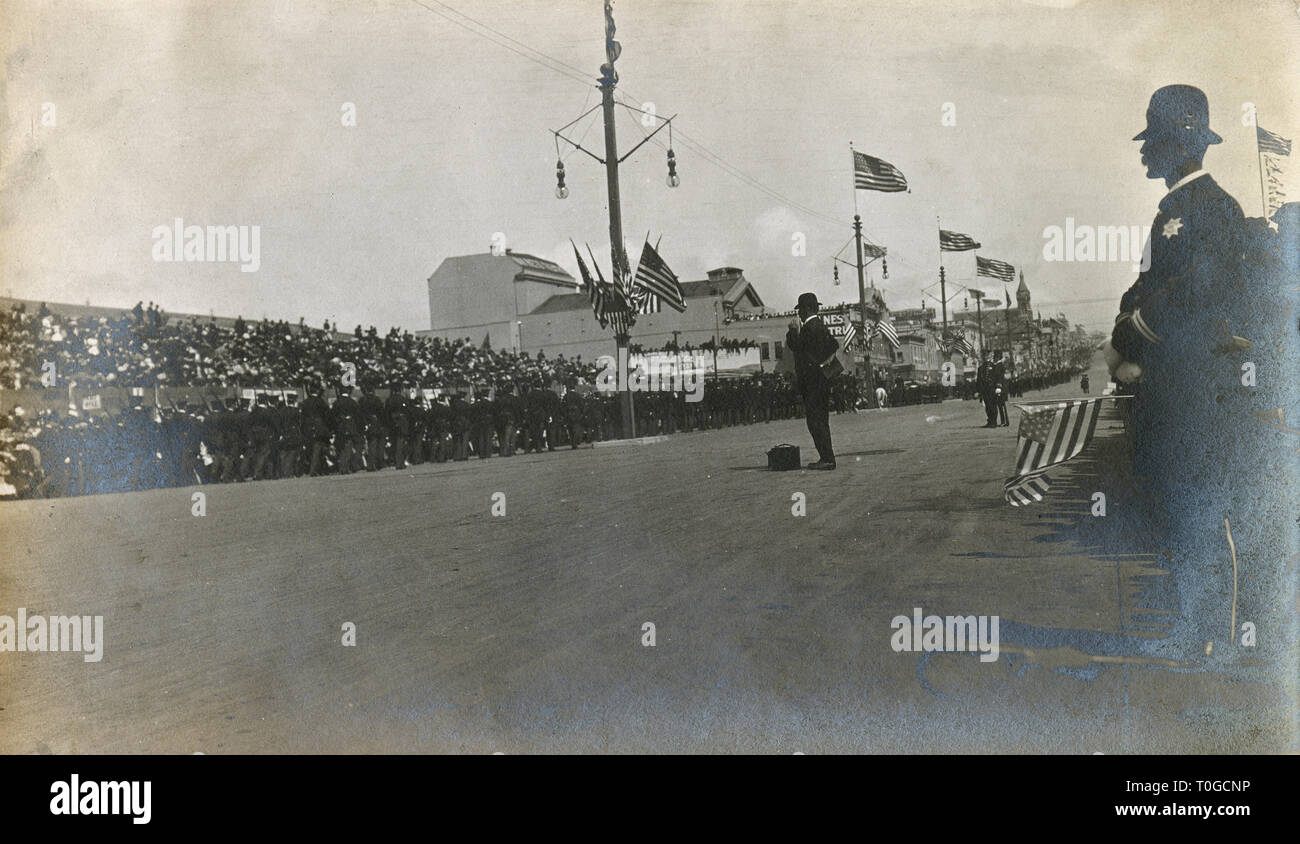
x=373 y=421
x=507 y=420
x=573 y=413
x=419 y=425
x=439 y=431
x=397 y=410
x=348 y=440
x=261 y=434
x=288 y=427
x=317 y=424
x=814 y=347
x=999 y=377
x=460 y=425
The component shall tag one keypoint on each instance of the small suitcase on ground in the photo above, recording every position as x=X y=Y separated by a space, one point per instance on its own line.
x=783 y=457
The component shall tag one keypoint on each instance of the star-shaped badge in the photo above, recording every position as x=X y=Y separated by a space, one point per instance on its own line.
x=1172 y=227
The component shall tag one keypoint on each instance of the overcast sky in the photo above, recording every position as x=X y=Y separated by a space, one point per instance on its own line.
x=228 y=113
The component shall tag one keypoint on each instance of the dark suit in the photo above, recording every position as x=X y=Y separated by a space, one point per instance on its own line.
x=812 y=345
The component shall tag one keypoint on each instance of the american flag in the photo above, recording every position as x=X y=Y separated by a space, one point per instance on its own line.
x=956 y=342
x=1272 y=143
x=850 y=334
x=992 y=268
x=1049 y=435
x=871 y=250
x=653 y=276
x=874 y=174
x=644 y=301
x=595 y=294
x=956 y=241
x=886 y=330
x=608 y=301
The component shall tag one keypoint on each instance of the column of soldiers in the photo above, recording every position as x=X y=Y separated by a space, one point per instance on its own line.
x=274 y=437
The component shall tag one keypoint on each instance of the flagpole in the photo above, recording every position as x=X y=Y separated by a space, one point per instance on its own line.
x=854 y=170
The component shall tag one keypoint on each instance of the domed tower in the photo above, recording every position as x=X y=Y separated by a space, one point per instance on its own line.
x=1022 y=295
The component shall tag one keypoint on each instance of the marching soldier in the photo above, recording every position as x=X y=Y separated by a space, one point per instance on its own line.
x=373 y=421
x=347 y=430
x=398 y=413
x=317 y=424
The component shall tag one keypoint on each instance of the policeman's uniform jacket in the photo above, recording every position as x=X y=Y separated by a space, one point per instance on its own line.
x=1174 y=322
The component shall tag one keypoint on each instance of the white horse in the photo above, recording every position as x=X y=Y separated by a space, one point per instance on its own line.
x=882 y=398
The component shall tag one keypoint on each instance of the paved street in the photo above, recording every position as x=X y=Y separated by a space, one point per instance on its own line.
x=522 y=633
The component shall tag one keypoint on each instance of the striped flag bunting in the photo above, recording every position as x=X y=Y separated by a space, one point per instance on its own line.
x=992 y=268
x=1272 y=143
x=956 y=241
x=884 y=329
x=870 y=173
x=1049 y=435
x=653 y=275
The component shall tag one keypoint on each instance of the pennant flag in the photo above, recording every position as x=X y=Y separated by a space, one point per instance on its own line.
x=956 y=242
x=886 y=330
x=874 y=174
x=1048 y=436
x=1007 y=293
x=991 y=268
x=1271 y=143
x=653 y=275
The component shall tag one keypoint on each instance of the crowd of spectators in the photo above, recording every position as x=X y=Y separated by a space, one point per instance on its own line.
x=146 y=348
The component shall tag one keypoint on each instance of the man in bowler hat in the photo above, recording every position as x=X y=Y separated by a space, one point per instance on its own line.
x=814 y=349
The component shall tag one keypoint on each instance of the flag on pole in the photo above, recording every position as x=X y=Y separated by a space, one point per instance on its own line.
x=595 y=295
x=653 y=275
x=1007 y=293
x=1271 y=143
x=645 y=302
x=871 y=173
x=850 y=334
x=884 y=329
x=992 y=268
x=956 y=241
x=871 y=250
x=1048 y=436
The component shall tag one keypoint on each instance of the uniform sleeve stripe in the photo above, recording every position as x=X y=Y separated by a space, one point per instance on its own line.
x=1144 y=329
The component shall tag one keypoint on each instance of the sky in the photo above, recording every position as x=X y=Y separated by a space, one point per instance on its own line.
x=123 y=117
